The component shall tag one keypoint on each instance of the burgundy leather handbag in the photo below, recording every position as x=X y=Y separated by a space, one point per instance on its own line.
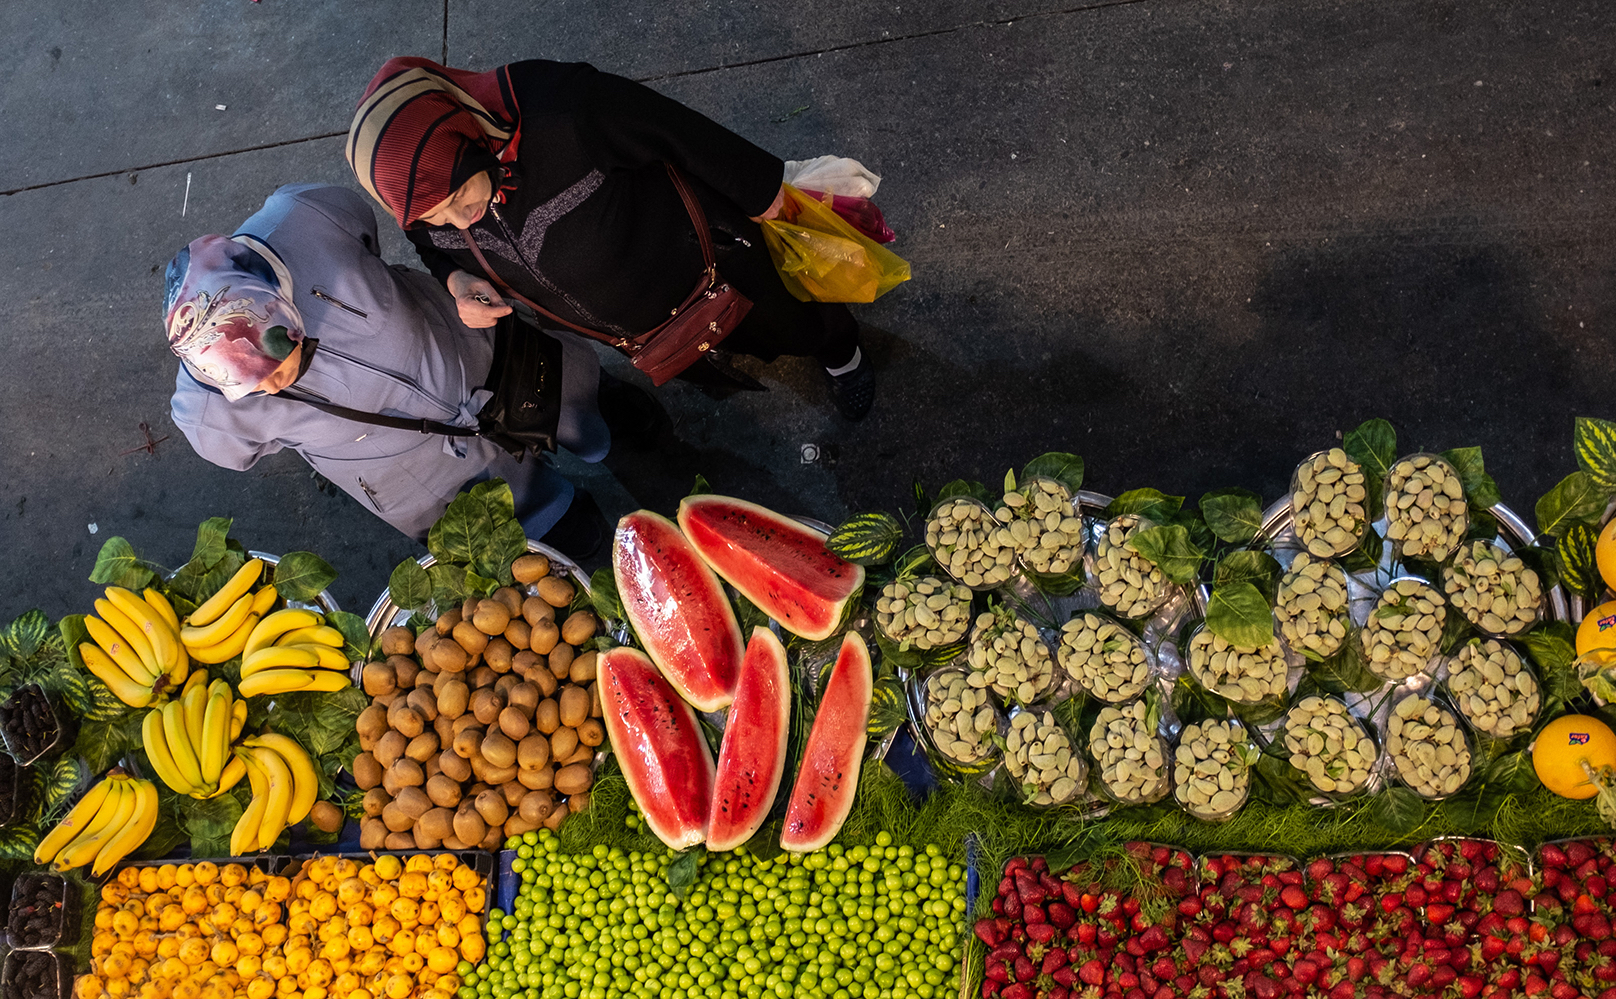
x=711 y=312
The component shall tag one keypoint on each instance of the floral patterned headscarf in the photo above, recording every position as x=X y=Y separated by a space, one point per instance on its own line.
x=228 y=309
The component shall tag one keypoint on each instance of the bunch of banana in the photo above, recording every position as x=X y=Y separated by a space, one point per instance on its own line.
x=217 y=631
x=284 y=786
x=291 y=650
x=112 y=819
x=188 y=739
x=136 y=648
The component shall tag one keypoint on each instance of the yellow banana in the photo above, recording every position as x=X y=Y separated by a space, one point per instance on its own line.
x=180 y=745
x=131 y=632
x=320 y=634
x=305 y=782
x=230 y=648
x=275 y=656
x=238 y=719
x=161 y=757
x=325 y=656
x=75 y=822
x=182 y=665
x=117 y=681
x=193 y=708
x=278 y=624
x=228 y=594
x=197 y=679
x=231 y=775
x=164 y=642
x=134 y=832
x=114 y=815
x=200 y=637
x=279 y=805
x=122 y=653
x=277 y=681
x=245 y=835
x=160 y=604
x=324 y=681
x=215 y=741
x=263 y=600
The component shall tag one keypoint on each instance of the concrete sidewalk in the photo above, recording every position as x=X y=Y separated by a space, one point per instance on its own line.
x=1191 y=241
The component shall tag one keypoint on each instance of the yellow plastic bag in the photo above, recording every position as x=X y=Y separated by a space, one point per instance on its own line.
x=823 y=259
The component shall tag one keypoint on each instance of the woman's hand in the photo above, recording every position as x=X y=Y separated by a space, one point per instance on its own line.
x=774 y=209
x=479 y=303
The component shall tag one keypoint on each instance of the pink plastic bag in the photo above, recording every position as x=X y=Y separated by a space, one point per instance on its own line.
x=860 y=213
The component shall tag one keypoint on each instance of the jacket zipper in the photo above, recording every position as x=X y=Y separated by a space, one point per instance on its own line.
x=338 y=303
x=323 y=349
x=369 y=493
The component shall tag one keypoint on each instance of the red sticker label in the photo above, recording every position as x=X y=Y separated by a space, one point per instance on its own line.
x=1579 y=738
x=1607 y=622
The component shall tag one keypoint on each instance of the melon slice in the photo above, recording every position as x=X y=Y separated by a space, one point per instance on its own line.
x=829 y=776
x=780 y=565
x=659 y=745
x=678 y=609
x=753 y=755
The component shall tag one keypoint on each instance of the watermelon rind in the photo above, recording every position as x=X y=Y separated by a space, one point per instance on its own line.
x=659 y=747
x=866 y=538
x=752 y=758
x=827 y=780
x=806 y=588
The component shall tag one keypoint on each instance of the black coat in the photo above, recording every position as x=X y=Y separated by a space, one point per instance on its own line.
x=594 y=230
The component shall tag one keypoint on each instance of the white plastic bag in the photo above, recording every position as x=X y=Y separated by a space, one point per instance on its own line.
x=837 y=175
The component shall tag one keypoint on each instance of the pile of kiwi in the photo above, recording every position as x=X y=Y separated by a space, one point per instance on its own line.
x=483 y=726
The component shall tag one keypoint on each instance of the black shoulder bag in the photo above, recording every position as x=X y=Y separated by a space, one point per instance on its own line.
x=524 y=411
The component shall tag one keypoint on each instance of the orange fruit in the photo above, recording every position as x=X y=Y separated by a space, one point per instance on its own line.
x=1598 y=629
x=1565 y=750
x=1605 y=554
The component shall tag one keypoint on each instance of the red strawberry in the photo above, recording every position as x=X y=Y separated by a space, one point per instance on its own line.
x=1564 y=990
x=1026 y=971
x=1040 y=933
x=1092 y=972
x=1439 y=912
x=988 y=932
x=1470 y=985
x=1020 y=990
x=1293 y=897
x=1053 y=961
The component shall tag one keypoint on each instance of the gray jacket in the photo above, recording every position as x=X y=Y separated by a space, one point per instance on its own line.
x=391 y=342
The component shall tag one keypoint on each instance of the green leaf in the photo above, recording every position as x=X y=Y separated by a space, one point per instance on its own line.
x=418 y=623
x=867 y=539
x=1278 y=782
x=748 y=616
x=964 y=487
x=1543 y=562
x=1397 y=810
x=1595 y=443
x=1057 y=584
x=1234 y=514
x=480 y=586
x=603 y=593
x=209 y=823
x=1345 y=671
x=409 y=586
x=19 y=842
x=1239 y=615
x=701 y=487
x=1481 y=492
x=355 y=634
x=682 y=871
x=462 y=532
x=22 y=637
x=1579 y=569
x=100 y=743
x=1553 y=648
x=1577 y=499
x=496 y=497
x=196 y=582
x=1151 y=504
x=1366 y=557
x=506 y=543
x=1470 y=810
x=63 y=778
x=1513 y=772
x=301 y=576
x=1067 y=469
x=448 y=584
x=1257 y=568
x=212 y=541
x=1372 y=445
x=118 y=565
x=1169 y=549
x=1455 y=629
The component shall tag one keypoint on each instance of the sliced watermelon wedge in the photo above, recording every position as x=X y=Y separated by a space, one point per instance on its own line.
x=678 y=609
x=753 y=756
x=780 y=565
x=829 y=776
x=659 y=745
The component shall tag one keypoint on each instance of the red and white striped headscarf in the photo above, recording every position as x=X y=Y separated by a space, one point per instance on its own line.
x=423 y=129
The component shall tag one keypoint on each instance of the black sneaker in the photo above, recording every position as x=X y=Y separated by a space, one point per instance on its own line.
x=635 y=418
x=854 y=391
x=580 y=531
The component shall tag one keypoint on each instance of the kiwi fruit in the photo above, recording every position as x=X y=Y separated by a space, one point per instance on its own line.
x=326 y=817
x=389 y=748
x=560 y=660
x=462 y=723
x=372 y=722
x=454 y=766
x=580 y=754
x=439 y=823
x=530 y=568
x=405 y=840
x=453 y=698
x=498 y=749
x=513 y=791
x=425 y=678
x=498 y=775
x=397 y=818
x=503 y=685
x=405 y=720
x=424 y=840
x=449 y=657
x=553 y=821
x=573 y=779
x=555 y=591
x=562 y=742
x=486 y=704
x=573 y=706
x=467 y=742
x=447 y=620
x=367 y=771
x=431 y=768
x=579 y=627
x=469 y=637
x=372 y=834
x=378 y=679
x=544 y=637
x=515 y=723
x=425 y=746
x=583 y=668
x=545 y=681
x=577 y=802
x=517 y=633
x=481 y=677
x=491 y=618
x=533 y=752
x=591 y=732
x=398 y=641
x=404 y=773
x=535 y=805
x=497 y=655
x=523 y=696
x=547 y=716
x=511 y=598
x=491 y=805
x=405 y=669
x=414 y=801
x=469 y=826
x=537 y=779
x=375 y=800
x=424 y=702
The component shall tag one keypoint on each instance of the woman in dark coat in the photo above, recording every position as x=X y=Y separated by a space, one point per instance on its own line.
x=557 y=170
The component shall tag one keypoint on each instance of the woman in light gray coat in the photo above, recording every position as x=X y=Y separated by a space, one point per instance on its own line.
x=300 y=296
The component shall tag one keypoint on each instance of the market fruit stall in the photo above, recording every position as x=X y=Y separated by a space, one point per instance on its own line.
x=1023 y=741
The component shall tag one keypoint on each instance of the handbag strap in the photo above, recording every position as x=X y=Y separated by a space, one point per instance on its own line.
x=377 y=419
x=630 y=345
